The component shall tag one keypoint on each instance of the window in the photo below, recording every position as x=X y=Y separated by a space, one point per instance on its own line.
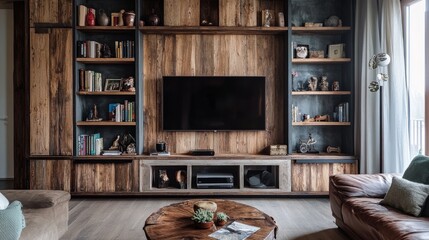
x=414 y=25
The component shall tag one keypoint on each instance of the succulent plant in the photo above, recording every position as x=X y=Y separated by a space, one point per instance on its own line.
x=221 y=216
x=202 y=216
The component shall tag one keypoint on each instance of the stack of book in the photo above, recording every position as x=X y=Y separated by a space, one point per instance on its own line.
x=90 y=81
x=122 y=112
x=124 y=49
x=91 y=144
x=88 y=49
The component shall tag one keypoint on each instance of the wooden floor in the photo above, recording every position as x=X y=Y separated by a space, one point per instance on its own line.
x=301 y=219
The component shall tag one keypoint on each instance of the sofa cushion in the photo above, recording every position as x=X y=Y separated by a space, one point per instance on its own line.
x=406 y=196
x=11 y=221
x=37 y=198
x=418 y=170
x=371 y=220
x=3 y=202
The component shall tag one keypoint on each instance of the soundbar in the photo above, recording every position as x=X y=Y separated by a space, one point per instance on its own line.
x=215 y=180
x=203 y=152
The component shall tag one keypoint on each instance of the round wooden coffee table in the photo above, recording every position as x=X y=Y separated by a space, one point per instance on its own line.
x=174 y=221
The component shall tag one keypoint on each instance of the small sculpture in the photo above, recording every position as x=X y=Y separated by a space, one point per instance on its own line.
x=131 y=148
x=90 y=17
x=301 y=51
x=181 y=178
x=267 y=18
x=128 y=85
x=105 y=51
x=307 y=146
x=115 y=144
x=331 y=149
x=163 y=179
x=312 y=83
x=324 y=85
x=333 y=21
x=121 y=18
x=153 y=19
x=336 y=86
x=93 y=114
x=322 y=118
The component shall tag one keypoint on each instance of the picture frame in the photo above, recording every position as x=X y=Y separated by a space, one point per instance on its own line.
x=336 y=51
x=114 y=21
x=113 y=85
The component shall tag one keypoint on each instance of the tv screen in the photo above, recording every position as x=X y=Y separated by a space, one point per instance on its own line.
x=213 y=103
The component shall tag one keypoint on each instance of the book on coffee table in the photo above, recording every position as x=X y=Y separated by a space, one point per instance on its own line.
x=234 y=231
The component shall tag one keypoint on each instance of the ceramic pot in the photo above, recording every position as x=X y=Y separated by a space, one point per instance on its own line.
x=102 y=19
x=153 y=19
x=204 y=225
x=220 y=222
x=90 y=18
x=129 y=18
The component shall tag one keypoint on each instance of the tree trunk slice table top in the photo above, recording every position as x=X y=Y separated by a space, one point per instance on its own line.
x=174 y=221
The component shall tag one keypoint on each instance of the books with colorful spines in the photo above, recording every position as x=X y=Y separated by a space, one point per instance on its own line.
x=93 y=140
x=98 y=82
x=98 y=146
x=112 y=111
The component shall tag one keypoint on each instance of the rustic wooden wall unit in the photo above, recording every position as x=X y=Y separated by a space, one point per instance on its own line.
x=235 y=45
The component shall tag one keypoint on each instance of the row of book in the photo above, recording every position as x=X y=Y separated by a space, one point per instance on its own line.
x=124 y=49
x=122 y=112
x=90 y=81
x=89 y=49
x=341 y=113
x=90 y=144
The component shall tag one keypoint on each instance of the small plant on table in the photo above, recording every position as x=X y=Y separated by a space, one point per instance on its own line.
x=203 y=218
x=221 y=218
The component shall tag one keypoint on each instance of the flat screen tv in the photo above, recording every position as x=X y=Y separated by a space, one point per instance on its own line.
x=213 y=103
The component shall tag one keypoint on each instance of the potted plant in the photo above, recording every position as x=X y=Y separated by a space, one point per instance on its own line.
x=221 y=218
x=203 y=218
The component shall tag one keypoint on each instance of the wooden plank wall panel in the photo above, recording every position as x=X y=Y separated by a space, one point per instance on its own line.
x=51 y=90
x=314 y=177
x=219 y=55
x=39 y=93
x=181 y=13
x=105 y=177
x=50 y=11
x=50 y=174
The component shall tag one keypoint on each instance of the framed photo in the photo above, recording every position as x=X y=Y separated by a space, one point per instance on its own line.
x=114 y=21
x=336 y=51
x=113 y=85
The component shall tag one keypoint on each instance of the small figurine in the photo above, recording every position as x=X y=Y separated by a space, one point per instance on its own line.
x=312 y=83
x=105 y=51
x=301 y=51
x=121 y=18
x=322 y=118
x=115 y=144
x=128 y=85
x=331 y=149
x=324 y=85
x=181 y=178
x=163 y=179
x=336 y=86
x=93 y=114
x=267 y=18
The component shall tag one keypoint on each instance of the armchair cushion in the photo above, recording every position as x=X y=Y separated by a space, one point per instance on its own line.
x=11 y=221
x=406 y=196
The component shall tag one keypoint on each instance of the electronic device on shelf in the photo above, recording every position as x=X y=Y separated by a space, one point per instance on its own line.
x=202 y=152
x=215 y=180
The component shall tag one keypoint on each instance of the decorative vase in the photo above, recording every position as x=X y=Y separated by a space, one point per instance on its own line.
x=208 y=205
x=204 y=225
x=153 y=19
x=102 y=19
x=90 y=17
x=129 y=18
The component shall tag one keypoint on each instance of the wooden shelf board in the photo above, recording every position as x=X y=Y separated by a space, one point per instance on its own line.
x=211 y=30
x=321 y=156
x=105 y=157
x=216 y=157
x=299 y=93
x=105 y=60
x=322 y=30
x=104 y=123
x=108 y=93
x=321 y=124
x=186 y=192
x=105 y=28
x=321 y=60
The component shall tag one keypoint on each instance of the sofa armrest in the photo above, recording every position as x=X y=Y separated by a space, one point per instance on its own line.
x=37 y=198
x=343 y=186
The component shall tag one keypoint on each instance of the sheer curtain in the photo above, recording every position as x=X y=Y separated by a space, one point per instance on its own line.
x=379 y=29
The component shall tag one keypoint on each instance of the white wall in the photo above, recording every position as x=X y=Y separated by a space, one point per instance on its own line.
x=6 y=93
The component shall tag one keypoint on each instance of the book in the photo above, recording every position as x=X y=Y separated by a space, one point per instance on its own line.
x=82 y=15
x=234 y=231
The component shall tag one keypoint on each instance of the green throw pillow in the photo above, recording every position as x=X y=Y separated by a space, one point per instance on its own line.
x=418 y=172
x=11 y=221
x=406 y=196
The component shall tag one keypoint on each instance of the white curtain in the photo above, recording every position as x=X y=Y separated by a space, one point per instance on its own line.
x=379 y=29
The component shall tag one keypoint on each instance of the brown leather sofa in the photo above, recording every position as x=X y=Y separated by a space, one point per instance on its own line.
x=355 y=205
x=46 y=212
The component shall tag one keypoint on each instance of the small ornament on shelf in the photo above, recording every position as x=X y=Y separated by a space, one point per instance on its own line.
x=324 y=84
x=93 y=114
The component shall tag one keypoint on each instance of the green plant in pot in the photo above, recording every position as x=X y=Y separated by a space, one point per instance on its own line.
x=203 y=218
x=221 y=218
